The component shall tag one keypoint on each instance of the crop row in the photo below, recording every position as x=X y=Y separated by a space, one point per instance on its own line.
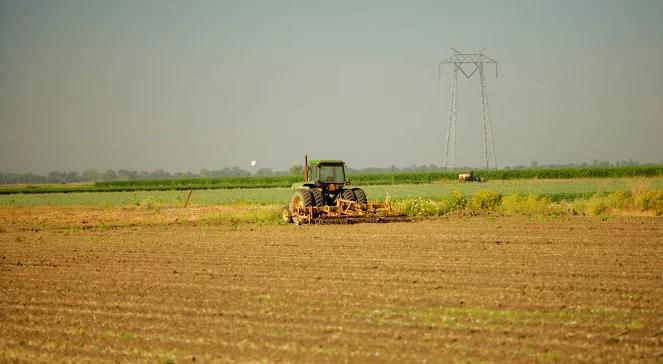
x=360 y=179
x=409 y=177
x=553 y=190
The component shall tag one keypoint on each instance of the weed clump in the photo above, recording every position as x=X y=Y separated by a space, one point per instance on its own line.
x=151 y=203
x=526 y=204
x=600 y=204
x=263 y=215
x=455 y=201
x=622 y=202
x=486 y=200
x=650 y=201
x=260 y=215
x=595 y=205
x=420 y=207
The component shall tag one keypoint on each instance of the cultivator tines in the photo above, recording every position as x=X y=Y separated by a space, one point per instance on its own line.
x=348 y=212
x=354 y=220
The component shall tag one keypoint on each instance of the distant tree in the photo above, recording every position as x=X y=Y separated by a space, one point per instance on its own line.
x=12 y=178
x=123 y=175
x=238 y=172
x=90 y=175
x=55 y=177
x=70 y=177
x=109 y=175
x=296 y=171
x=159 y=174
x=264 y=172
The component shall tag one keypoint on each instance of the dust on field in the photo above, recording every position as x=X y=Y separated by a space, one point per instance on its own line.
x=449 y=289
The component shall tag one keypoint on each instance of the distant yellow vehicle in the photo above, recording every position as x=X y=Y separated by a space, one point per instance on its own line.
x=468 y=177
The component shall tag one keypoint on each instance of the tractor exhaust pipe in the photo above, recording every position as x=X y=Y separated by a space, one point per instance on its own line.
x=305 y=167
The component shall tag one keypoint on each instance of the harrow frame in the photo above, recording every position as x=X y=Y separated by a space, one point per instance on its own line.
x=346 y=212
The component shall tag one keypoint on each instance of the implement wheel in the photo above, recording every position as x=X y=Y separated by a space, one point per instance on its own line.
x=286 y=216
x=360 y=195
x=301 y=200
x=347 y=194
x=318 y=197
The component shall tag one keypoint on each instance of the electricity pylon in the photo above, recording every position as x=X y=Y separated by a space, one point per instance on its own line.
x=477 y=61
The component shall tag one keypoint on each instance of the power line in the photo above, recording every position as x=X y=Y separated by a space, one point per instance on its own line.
x=476 y=62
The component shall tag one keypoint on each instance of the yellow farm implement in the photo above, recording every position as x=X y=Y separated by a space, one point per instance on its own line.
x=326 y=197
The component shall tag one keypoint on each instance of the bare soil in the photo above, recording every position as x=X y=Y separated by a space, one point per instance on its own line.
x=169 y=287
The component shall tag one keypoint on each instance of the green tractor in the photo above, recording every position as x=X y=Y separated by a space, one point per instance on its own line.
x=325 y=196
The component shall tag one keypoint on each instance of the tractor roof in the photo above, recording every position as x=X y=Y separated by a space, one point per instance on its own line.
x=326 y=161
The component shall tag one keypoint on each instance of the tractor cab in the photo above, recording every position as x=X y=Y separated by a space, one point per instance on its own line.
x=327 y=172
x=328 y=176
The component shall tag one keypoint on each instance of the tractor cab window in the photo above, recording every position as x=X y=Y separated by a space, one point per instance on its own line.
x=332 y=174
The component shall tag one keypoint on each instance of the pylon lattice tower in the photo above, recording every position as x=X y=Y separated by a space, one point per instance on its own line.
x=476 y=61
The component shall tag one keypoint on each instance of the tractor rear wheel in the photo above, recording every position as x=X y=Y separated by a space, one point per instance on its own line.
x=347 y=194
x=302 y=199
x=318 y=197
x=360 y=195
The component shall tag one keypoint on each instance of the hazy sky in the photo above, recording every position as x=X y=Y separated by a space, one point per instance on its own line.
x=185 y=85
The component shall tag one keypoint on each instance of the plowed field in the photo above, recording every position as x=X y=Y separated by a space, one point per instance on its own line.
x=451 y=289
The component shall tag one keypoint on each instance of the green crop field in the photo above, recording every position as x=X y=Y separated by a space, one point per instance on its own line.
x=357 y=179
x=554 y=189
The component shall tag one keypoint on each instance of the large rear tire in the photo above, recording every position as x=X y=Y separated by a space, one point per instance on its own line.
x=360 y=196
x=347 y=194
x=302 y=199
x=318 y=197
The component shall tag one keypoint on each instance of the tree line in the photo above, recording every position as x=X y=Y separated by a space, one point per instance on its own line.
x=110 y=175
x=92 y=175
